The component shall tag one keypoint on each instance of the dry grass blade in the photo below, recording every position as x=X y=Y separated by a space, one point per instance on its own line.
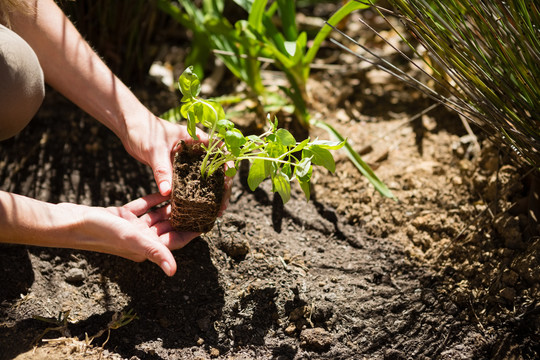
x=484 y=58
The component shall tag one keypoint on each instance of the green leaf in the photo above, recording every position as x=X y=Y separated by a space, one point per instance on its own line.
x=185 y=107
x=301 y=145
x=287 y=14
x=244 y=4
x=290 y=47
x=274 y=149
x=325 y=30
x=225 y=124
x=285 y=137
x=257 y=173
x=255 y=139
x=281 y=185
x=234 y=138
x=304 y=169
x=271 y=138
x=330 y=145
x=306 y=188
x=300 y=47
x=320 y=156
x=230 y=172
x=207 y=112
x=192 y=124
x=213 y=7
x=273 y=33
x=256 y=14
x=189 y=84
x=286 y=171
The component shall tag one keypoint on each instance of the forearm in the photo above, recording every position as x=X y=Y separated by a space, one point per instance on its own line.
x=73 y=68
x=28 y=221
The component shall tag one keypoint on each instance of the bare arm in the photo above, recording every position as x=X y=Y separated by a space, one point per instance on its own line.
x=75 y=70
x=130 y=231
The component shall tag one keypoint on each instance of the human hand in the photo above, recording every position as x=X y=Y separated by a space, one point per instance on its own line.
x=153 y=141
x=131 y=231
x=228 y=189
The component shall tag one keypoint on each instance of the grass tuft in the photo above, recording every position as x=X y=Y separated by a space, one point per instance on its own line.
x=483 y=58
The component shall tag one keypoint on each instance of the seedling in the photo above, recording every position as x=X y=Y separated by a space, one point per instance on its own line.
x=275 y=153
x=242 y=45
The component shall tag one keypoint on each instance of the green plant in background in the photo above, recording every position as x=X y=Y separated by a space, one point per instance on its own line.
x=287 y=46
x=240 y=46
x=192 y=18
x=275 y=154
x=212 y=31
x=486 y=57
x=124 y=32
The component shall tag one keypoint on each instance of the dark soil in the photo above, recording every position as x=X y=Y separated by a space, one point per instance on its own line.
x=449 y=271
x=196 y=200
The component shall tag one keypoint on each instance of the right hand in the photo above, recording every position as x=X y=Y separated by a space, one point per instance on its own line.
x=132 y=231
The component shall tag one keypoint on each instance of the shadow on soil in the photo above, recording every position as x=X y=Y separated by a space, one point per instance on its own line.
x=178 y=310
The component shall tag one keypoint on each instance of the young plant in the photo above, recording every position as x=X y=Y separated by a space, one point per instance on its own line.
x=287 y=46
x=242 y=45
x=275 y=154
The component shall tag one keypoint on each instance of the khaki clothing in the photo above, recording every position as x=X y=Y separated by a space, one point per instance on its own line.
x=22 y=86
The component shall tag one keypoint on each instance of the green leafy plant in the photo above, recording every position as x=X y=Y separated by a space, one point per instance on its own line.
x=194 y=18
x=275 y=153
x=213 y=32
x=287 y=46
x=242 y=46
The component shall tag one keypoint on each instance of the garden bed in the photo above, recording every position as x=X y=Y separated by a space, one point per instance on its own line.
x=449 y=271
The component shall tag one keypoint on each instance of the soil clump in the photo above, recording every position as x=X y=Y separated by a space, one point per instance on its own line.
x=195 y=200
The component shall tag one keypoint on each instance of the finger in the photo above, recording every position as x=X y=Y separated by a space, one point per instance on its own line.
x=164 y=228
x=159 y=254
x=156 y=216
x=174 y=240
x=201 y=135
x=226 y=195
x=141 y=205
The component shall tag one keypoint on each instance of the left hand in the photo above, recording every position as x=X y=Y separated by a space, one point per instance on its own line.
x=152 y=140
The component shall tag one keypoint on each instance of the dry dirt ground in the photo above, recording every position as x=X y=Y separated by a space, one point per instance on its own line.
x=451 y=270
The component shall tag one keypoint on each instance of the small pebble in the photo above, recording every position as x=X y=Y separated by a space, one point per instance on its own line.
x=75 y=275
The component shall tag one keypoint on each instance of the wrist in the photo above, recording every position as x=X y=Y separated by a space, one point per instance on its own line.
x=32 y=222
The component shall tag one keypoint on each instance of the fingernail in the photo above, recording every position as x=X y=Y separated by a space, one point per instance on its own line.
x=164 y=187
x=166 y=268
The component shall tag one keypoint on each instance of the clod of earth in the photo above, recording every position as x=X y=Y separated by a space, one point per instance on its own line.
x=195 y=201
